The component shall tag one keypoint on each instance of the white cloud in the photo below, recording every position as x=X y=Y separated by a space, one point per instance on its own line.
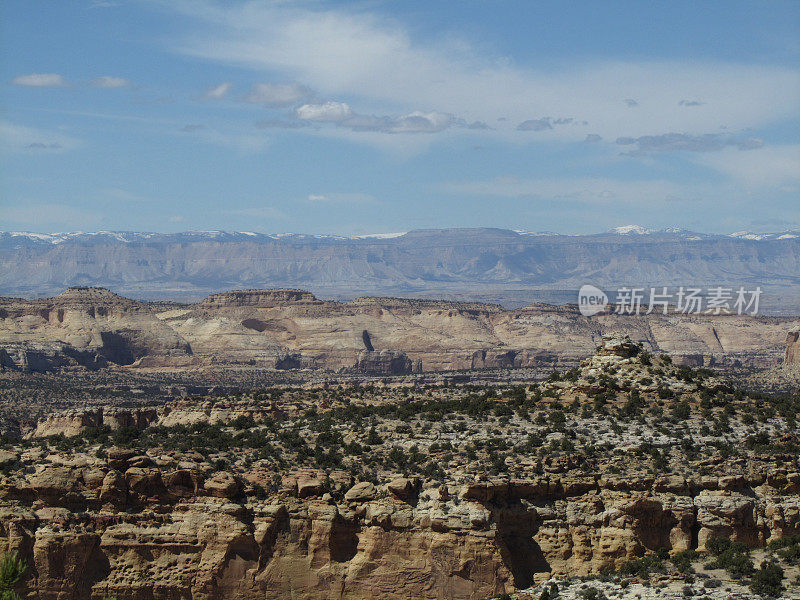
x=342 y=198
x=347 y=54
x=277 y=94
x=40 y=80
x=770 y=166
x=109 y=82
x=329 y=112
x=19 y=138
x=218 y=92
x=421 y=122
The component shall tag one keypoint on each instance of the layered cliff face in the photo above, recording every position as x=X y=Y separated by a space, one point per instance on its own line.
x=792 y=348
x=451 y=335
x=86 y=326
x=143 y=532
x=291 y=329
x=431 y=493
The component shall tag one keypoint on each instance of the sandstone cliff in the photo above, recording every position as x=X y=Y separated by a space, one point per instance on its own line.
x=291 y=329
x=85 y=326
x=111 y=528
x=440 y=492
x=792 y=348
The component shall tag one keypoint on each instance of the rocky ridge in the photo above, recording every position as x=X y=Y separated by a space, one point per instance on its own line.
x=792 y=348
x=441 y=492
x=498 y=265
x=291 y=329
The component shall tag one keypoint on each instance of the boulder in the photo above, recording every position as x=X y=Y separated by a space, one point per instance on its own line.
x=363 y=491
x=114 y=489
x=404 y=488
x=223 y=485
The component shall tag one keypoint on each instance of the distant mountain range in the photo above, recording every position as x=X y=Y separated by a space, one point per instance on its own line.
x=22 y=237
x=510 y=267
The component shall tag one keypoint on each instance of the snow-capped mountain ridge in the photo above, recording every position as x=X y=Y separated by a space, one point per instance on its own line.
x=227 y=236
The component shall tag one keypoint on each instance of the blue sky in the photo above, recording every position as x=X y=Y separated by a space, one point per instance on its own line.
x=375 y=117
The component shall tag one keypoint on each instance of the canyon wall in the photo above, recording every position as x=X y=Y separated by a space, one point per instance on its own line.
x=793 y=348
x=126 y=528
x=291 y=329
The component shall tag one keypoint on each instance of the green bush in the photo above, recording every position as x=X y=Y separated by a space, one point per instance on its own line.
x=12 y=568
x=767 y=581
x=734 y=557
x=642 y=567
x=683 y=560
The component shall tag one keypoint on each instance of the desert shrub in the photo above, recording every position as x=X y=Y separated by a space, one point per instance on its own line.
x=767 y=581
x=788 y=548
x=12 y=568
x=591 y=593
x=734 y=557
x=683 y=560
x=244 y=422
x=681 y=411
x=642 y=567
x=373 y=439
x=664 y=392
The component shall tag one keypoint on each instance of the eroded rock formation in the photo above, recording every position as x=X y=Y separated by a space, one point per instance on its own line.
x=291 y=329
x=146 y=532
x=792 y=348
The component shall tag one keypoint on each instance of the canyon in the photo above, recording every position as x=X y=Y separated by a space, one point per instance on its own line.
x=425 y=492
x=289 y=329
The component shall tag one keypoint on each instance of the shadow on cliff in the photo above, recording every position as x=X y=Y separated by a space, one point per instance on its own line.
x=343 y=540
x=520 y=553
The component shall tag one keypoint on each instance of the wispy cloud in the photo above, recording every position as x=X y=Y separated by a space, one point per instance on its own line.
x=40 y=80
x=367 y=61
x=258 y=212
x=218 y=92
x=19 y=138
x=277 y=94
x=109 y=82
x=413 y=122
x=770 y=166
x=674 y=142
x=281 y=124
x=342 y=198
x=121 y=195
x=589 y=190
x=48 y=217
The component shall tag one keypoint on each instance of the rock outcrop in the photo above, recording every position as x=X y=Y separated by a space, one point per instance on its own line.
x=792 y=348
x=91 y=327
x=291 y=329
x=384 y=362
x=74 y=422
x=146 y=533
